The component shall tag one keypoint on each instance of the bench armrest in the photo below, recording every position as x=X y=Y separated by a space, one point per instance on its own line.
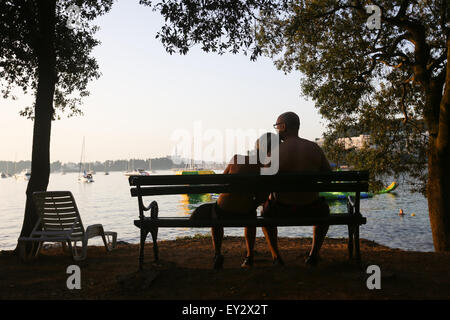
x=350 y=205
x=153 y=207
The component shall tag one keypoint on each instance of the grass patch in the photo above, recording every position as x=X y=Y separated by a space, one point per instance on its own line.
x=195 y=236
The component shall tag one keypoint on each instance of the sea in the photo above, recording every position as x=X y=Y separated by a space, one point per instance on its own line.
x=108 y=201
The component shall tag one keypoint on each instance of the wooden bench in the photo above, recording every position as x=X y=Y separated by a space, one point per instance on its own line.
x=156 y=185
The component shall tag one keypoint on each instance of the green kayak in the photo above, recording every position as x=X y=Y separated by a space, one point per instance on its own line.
x=364 y=195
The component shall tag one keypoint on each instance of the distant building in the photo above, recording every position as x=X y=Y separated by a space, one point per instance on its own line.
x=349 y=142
x=355 y=142
x=320 y=141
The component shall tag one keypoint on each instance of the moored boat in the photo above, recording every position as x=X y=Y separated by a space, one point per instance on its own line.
x=138 y=172
x=24 y=175
x=86 y=177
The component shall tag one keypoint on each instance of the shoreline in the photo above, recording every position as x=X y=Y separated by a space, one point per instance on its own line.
x=208 y=236
x=185 y=272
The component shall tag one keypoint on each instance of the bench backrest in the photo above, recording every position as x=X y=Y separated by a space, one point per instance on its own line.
x=346 y=181
x=58 y=212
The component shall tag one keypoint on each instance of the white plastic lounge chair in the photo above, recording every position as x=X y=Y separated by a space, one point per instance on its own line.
x=59 y=221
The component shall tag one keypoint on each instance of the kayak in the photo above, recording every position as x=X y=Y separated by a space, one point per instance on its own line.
x=341 y=195
x=194 y=172
x=191 y=198
x=364 y=195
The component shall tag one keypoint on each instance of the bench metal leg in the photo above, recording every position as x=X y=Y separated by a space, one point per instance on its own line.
x=154 y=233
x=141 y=248
x=356 y=239
x=350 y=241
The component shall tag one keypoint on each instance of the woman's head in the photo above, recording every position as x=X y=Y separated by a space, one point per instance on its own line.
x=265 y=144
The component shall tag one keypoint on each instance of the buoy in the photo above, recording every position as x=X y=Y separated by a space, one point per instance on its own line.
x=413 y=214
x=400 y=213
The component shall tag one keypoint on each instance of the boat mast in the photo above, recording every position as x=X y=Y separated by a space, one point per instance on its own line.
x=81 y=159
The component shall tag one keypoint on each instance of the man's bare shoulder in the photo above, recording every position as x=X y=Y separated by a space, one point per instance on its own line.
x=298 y=143
x=307 y=142
x=311 y=144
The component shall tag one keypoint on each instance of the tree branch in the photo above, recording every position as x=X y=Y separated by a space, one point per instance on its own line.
x=402 y=11
x=402 y=102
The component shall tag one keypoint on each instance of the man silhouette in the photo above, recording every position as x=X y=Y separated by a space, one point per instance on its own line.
x=297 y=155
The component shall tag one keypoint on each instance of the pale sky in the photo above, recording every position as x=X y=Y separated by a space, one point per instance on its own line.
x=145 y=95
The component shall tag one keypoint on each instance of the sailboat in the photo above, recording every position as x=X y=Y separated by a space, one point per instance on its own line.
x=91 y=171
x=86 y=177
x=150 y=166
x=192 y=169
x=106 y=170
x=138 y=172
x=5 y=174
x=24 y=174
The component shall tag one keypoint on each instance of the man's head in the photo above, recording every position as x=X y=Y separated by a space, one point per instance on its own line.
x=287 y=125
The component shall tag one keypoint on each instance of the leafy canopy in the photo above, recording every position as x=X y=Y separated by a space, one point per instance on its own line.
x=75 y=67
x=361 y=80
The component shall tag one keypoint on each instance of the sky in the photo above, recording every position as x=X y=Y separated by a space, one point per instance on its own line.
x=146 y=96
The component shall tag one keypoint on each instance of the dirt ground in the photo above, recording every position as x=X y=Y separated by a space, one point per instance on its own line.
x=185 y=272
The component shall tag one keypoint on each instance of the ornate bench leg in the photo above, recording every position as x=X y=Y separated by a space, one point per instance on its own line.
x=154 y=233
x=350 y=241
x=141 y=247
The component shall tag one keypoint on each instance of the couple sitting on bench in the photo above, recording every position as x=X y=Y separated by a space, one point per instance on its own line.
x=295 y=155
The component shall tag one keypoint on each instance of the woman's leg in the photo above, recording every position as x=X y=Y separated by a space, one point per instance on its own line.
x=250 y=235
x=217 y=237
x=271 y=234
x=319 y=233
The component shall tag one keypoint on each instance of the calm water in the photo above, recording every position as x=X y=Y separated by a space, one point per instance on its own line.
x=108 y=201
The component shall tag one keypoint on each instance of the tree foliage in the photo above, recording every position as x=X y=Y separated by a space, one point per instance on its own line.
x=216 y=25
x=374 y=81
x=75 y=67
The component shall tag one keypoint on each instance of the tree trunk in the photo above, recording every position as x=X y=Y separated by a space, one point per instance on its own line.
x=438 y=188
x=40 y=158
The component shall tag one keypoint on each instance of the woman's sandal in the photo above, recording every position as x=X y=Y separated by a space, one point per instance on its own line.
x=218 y=261
x=312 y=260
x=248 y=262
x=278 y=262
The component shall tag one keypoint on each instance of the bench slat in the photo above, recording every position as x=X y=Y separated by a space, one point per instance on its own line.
x=218 y=188
x=295 y=177
x=334 y=219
